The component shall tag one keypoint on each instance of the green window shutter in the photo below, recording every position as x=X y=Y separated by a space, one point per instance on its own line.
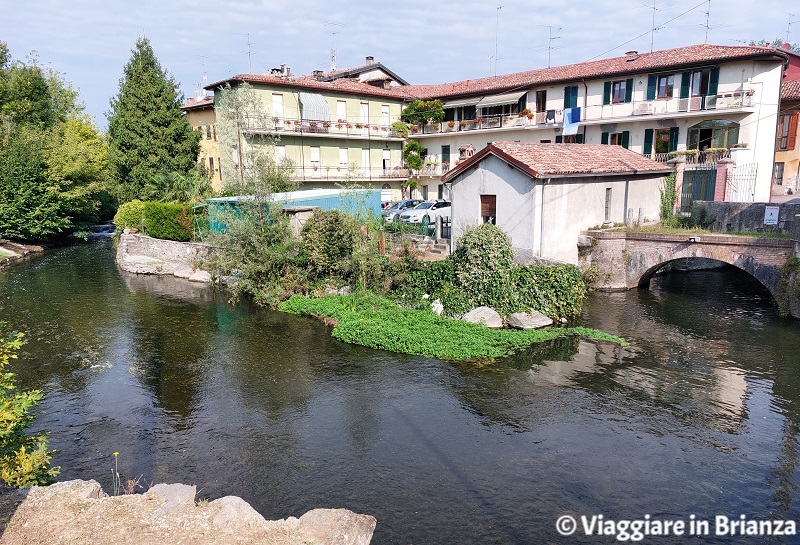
x=713 y=81
x=628 y=89
x=648 y=141
x=651 y=87
x=559 y=139
x=607 y=92
x=579 y=138
x=604 y=138
x=626 y=139
x=673 y=138
x=567 y=97
x=686 y=79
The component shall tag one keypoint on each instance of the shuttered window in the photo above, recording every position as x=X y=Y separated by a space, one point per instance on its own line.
x=489 y=208
x=787 y=132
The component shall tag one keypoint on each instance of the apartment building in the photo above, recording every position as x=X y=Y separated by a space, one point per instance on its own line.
x=786 y=175
x=706 y=102
x=330 y=131
x=200 y=114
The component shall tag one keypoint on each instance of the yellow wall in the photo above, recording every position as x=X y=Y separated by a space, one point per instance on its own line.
x=204 y=120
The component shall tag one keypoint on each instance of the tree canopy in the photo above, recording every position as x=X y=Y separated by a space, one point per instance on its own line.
x=147 y=131
x=422 y=111
x=777 y=42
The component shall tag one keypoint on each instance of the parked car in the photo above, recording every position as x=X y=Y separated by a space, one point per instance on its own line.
x=393 y=210
x=432 y=209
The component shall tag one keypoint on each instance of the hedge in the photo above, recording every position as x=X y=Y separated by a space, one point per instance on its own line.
x=168 y=221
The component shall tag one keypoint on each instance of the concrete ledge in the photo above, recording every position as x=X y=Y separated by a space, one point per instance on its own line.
x=140 y=254
x=704 y=238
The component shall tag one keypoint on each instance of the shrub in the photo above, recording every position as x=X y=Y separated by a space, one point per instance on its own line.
x=24 y=459
x=482 y=263
x=130 y=216
x=553 y=291
x=329 y=238
x=168 y=221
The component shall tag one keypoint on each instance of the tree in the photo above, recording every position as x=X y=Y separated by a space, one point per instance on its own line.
x=422 y=111
x=24 y=459
x=777 y=43
x=147 y=131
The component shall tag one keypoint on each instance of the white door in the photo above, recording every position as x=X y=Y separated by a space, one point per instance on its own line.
x=365 y=163
x=316 y=165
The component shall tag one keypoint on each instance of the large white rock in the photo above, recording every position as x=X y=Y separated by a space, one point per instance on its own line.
x=200 y=276
x=529 y=320
x=484 y=315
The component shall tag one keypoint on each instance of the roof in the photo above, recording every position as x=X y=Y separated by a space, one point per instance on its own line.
x=564 y=160
x=194 y=104
x=343 y=86
x=358 y=70
x=667 y=59
x=790 y=90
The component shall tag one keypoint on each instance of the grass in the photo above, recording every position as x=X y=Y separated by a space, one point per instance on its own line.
x=699 y=231
x=375 y=322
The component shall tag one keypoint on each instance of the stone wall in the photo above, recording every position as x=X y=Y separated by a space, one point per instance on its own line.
x=141 y=254
x=734 y=217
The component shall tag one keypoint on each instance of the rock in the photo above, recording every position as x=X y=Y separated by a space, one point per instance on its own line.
x=437 y=307
x=563 y=320
x=331 y=291
x=174 y=496
x=484 y=315
x=68 y=490
x=234 y=513
x=529 y=320
x=201 y=276
x=345 y=290
x=336 y=527
x=183 y=271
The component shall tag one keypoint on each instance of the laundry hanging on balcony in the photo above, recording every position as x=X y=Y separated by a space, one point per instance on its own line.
x=572 y=118
x=315 y=108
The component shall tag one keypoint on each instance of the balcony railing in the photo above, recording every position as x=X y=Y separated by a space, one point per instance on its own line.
x=550 y=118
x=721 y=101
x=338 y=173
x=313 y=127
x=698 y=158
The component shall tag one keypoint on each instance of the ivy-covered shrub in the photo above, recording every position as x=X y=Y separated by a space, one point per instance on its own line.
x=483 y=262
x=168 y=221
x=329 y=238
x=553 y=291
x=130 y=216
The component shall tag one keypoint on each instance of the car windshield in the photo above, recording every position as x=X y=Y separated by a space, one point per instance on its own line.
x=423 y=205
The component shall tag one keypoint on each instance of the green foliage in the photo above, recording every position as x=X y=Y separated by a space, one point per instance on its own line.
x=24 y=459
x=669 y=196
x=329 y=238
x=412 y=154
x=168 y=221
x=483 y=261
x=778 y=43
x=375 y=322
x=147 y=131
x=553 y=291
x=184 y=188
x=788 y=287
x=400 y=128
x=422 y=111
x=130 y=215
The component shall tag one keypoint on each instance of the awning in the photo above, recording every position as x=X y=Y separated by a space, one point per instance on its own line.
x=462 y=102
x=315 y=108
x=498 y=100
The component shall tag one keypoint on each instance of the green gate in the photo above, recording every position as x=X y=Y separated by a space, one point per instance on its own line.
x=698 y=185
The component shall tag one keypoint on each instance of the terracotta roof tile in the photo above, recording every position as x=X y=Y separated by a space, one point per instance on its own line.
x=790 y=90
x=546 y=160
x=192 y=103
x=344 y=85
x=672 y=59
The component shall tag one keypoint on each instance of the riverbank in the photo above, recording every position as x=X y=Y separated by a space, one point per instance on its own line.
x=77 y=512
x=376 y=322
x=11 y=251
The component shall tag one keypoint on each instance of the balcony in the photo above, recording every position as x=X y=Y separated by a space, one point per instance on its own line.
x=548 y=119
x=671 y=106
x=693 y=157
x=344 y=172
x=312 y=128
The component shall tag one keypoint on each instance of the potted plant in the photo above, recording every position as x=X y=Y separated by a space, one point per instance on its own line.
x=349 y=125
x=451 y=124
x=359 y=126
x=463 y=123
x=312 y=124
x=326 y=124
x=525 y=113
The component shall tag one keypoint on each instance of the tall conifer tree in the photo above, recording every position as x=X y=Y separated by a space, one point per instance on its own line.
x=147 y=131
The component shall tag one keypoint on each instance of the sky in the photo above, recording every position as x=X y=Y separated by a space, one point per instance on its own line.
x=89 y=42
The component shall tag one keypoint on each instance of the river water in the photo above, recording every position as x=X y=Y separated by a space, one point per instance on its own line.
x=698 y=417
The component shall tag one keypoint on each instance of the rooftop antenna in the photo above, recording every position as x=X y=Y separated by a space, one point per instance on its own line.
x=654 y=28
x=249 y=56
x=496 y=27
x=490 y=64
x=789 y=26
x=333 y=24
x=708 y=17
x=550 y=42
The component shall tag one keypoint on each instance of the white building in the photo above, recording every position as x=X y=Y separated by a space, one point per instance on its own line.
x=685 y=100
x=544 y=195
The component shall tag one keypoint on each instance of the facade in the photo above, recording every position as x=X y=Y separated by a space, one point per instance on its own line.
x=687 y=100
x=201 y=116
x=544 y=195
x=371 y=72
x=786 y=173
x=330 y=132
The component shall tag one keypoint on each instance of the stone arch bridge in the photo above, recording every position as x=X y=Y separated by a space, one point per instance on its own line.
x=628 y=260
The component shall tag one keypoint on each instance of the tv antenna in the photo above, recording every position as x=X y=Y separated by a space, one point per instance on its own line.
x=708 y=18
x=334 y=25
x=789 y=26
x=550 y=42
x=654 y=28
x=496 y=27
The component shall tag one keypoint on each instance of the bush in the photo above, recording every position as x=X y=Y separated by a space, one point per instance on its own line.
x=168 y=221
x=482 y=262
x=329 y=238
x=553 y=291
x=24 y=459
x=130 y=216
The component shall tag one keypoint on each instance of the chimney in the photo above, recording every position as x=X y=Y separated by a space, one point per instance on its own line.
x=631 y=53
x=317 y=73
x=370 y=60
x=283 y=70
x=787 y=46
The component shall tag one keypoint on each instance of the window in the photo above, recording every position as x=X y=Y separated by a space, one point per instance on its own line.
x=777 y=176
x=615 y=92
x=315 y=161
x=489 y=209
x=665 y=86
x=787 y=132
x=214 y=131
x=719 y=133
x=424 y=192
x=616 y=138
x=541 y=101
x=445 y=158
x=618 y=91
x=571 y=96
x=440 y=192
x=545 y=141
x=385 y=115
x=700 y=82
x=608 y=204
x=573 y=139
x=211 y=165
x=220 y=168
x=208 y=132
x=341 y=110
x=277 y=106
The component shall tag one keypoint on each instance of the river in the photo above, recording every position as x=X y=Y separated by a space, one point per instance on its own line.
x=698 y=417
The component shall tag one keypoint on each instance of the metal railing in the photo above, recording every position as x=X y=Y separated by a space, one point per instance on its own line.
x=697 y=158
x=312 y=127
x=342 y=172
x=551 y=118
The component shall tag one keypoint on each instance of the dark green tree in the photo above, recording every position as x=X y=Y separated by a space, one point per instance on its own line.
x=422 y=111
x=147 y=131
x=778 y=43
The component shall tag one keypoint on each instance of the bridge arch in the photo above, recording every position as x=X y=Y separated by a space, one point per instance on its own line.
x=747 y=264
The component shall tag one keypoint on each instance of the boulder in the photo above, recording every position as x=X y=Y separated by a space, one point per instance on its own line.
x=529 y=320
x=437 y=307
x=336 y=527
x=345 y=290
x=174 y=496
x=183 y=271
x=201 y=276
x=484 y=315
x=234 y=515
